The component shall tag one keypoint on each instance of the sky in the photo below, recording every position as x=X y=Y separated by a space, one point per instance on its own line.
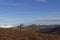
x=29 y=12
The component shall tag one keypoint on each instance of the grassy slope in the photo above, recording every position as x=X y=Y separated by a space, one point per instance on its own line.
x=17 y=34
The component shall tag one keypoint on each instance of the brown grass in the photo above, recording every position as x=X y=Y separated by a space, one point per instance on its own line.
x=16 y=34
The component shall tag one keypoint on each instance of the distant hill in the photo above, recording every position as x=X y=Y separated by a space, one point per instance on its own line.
x=55 y=30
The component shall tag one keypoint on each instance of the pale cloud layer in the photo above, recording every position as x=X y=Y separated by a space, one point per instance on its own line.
x=29 y=20
x=13 y=20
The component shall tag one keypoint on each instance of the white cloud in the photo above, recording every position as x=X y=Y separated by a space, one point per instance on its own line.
x=41 y=0
x=6 y=3
x=12 y=4
x=6 y=26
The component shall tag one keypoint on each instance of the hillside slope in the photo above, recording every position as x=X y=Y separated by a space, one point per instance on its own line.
x=17 y=34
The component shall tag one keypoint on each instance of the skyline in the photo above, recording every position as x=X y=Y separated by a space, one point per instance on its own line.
x=29 y=12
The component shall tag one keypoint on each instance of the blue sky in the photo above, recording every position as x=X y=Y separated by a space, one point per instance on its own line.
x=29 y=12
